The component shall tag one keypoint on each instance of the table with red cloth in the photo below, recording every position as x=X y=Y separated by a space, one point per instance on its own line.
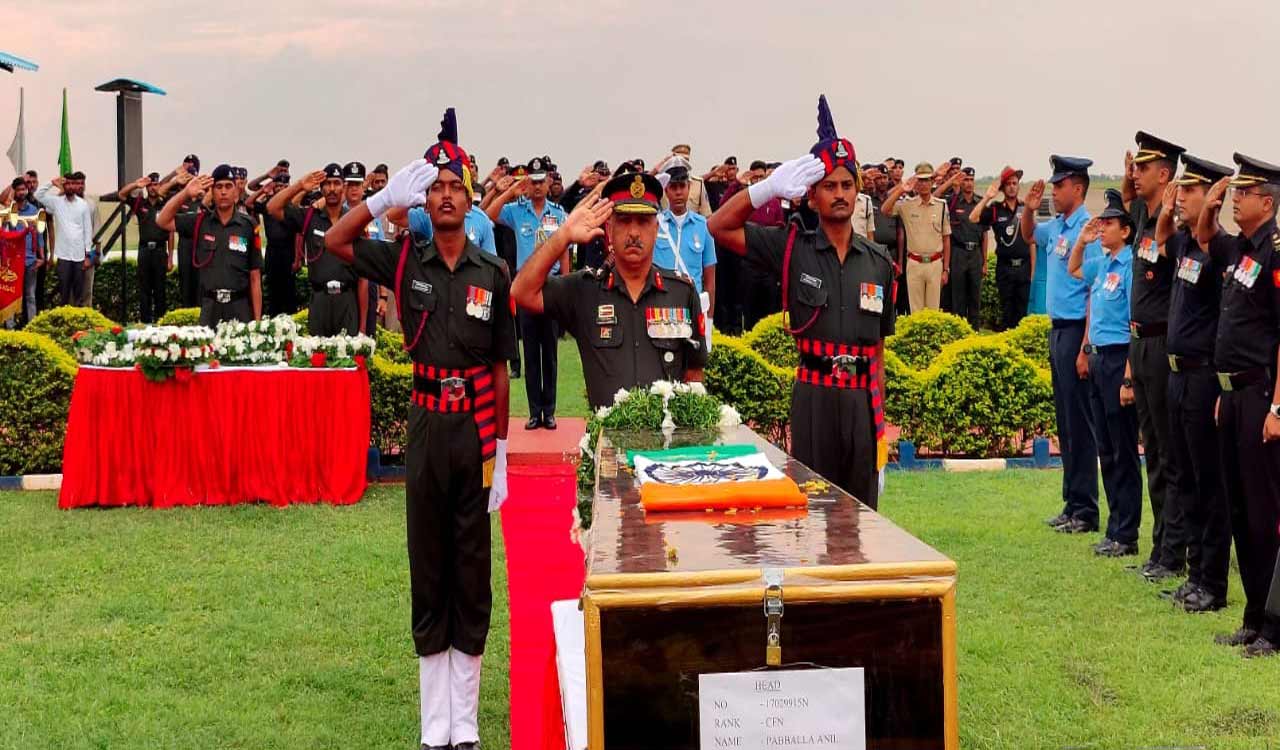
x=216 y=437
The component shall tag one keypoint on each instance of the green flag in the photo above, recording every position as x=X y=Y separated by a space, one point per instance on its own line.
x=64 y=151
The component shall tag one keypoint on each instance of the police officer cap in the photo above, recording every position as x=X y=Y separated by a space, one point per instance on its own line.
x=193 y=160
x=731 y=161
x=1197 y=171
x=333 y=171
x=1151 y=148
x=634 y=193
x=538 y=168
x=1115 y=207
x=1068 y=166
x=353 y=172
x=1255 y=172
x=678 y=169
x=223 y=172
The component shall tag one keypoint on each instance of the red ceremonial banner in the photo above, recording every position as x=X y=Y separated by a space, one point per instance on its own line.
x=13 y=255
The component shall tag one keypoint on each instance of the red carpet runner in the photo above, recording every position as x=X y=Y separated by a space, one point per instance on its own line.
x=543 y=565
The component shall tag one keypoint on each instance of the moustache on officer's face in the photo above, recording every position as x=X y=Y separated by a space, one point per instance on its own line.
x=634 y=242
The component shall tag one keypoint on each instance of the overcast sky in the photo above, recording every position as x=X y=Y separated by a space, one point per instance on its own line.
x=321 y=80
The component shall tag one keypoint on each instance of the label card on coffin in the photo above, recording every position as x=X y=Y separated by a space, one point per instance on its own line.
x=811 y=708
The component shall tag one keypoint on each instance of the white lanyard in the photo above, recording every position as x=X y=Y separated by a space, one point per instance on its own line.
x=675 y=245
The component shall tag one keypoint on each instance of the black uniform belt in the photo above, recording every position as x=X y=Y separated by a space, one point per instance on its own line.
x=1147 y=330
x=1178 y=363
x=1106 y=348
x=454 y=390
x=341 y=286
x=226 y=296
x=1234 y=381
x=1066 y=322
x=830 y=365
x=152 y=244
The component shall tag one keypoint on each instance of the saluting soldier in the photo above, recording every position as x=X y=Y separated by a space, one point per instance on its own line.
x=1246 y=357
x=339 y=298
x=459 y=329
x=146 y=198
x=1148 y=172
x=837 y=288
x=1194 y=302
x=1015 y=263
x=226 y=251
x=634 y=322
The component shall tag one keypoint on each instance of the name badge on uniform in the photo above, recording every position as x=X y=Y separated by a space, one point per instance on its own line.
x=668 y=323
x=812 y=281
x=871 y=298
x=1189 y=270
x=1112 y=282
x=605 y=316
x=1148 y=251
x=420 y=286
x=209 y=238
x=1061 y=248
x=237 y=244
x=1247 y=272
x=318 y=232
x=479 y=303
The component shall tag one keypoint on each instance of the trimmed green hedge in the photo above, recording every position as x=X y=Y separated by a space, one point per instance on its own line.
x=183 y=316
x=982 y=397
x=989 y=298
x=759 y=390
x=770 y=340
x=390 y=384
x=1031 y=337
x=902 y=397
x=36 y=378
x=921 y=335
x=61 y=323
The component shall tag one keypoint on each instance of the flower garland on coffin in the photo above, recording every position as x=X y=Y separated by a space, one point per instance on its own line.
x=659 y=408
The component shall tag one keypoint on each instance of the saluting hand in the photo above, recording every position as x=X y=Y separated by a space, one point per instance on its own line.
x=1092 y=230
x=586 y=221
x=1128 y=165
x=588 y=177
x=198 y=185
x=1034 y=194
x=312 y=180
x=1169 y=200
x=992 y=190
x=1213 y=199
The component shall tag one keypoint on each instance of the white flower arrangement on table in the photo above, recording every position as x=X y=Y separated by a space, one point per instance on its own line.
x=258 y=342
x=332 y=351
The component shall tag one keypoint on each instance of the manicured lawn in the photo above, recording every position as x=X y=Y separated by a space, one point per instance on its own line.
x=251 y=627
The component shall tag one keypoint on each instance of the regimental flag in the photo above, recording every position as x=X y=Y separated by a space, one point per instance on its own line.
x=64 y=150
x=739 y=482
x=13 y=252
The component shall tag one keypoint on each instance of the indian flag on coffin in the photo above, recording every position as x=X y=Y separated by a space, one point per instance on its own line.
x=741 y=481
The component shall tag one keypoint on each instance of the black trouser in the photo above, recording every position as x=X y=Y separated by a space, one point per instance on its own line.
x=1149 y=365
x=1074 y=412
x=1197 y=489
x=833 y=432
x=1251 y=474
x=371 y=314
x=70 y=281
x=728 y=304
x=188 y=278
x=966 y=282
x=1014 y=288
x=212 y=312
x=282 y=290
x=334 y=314
x=1115 y=429
x=538 y=333
x=447 y=520
x=153 y=264
x=41 y=301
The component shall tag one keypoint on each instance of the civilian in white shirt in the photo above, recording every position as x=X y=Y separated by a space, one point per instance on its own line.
x=73 y=223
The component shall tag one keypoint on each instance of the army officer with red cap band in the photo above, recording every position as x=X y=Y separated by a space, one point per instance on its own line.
x=837 y=289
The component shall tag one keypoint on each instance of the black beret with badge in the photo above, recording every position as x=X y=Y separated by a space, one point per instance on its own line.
x=223 y=172
x=333 y=171
x=634 y=193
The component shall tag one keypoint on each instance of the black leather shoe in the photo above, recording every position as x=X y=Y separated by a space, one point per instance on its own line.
x=1242 y=637
x=1076 y=526
x=437 y=747
x=549 y=422
x=533 y=423
x=467 y=746
x=1260 y=647
x=1059 y=520
x=1199 y=600
x=1179 y=594
x=1112 y=548
x=1154 y=572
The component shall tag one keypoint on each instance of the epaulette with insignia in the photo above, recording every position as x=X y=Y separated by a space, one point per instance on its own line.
x=672 y=274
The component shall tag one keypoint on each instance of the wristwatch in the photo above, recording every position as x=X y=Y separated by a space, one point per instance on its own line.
x=1275 y=410
x=1126 y=383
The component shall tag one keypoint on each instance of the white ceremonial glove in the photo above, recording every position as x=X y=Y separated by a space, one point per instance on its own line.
x=498 y=492
x=406 y=188
x=791 y=180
